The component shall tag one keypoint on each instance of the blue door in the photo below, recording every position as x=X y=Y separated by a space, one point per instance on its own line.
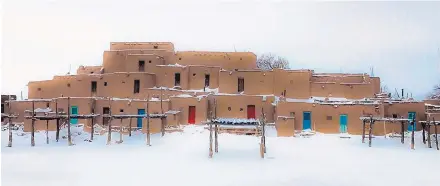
x=139 y=120
x=74 y=111
x=307 y=123
x=411 y=116
x=343 y=123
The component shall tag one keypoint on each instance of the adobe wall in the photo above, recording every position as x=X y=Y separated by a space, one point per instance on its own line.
x=255 y=82
x=89 y=70
x=325 y=118
x=432 y=101
x=127 y=60
x=183 y=104
x=226 y=60
x=108 y=85
x=165 y=76
x=238 y=106
x=402 y=109
x=345 y=90
x=296 y=83
x=197 y=77
x=141 y=45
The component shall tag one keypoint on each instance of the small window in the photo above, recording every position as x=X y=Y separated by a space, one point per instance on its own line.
x=94 y=86
x=329 y=118
x=207 y=77
x=39 y=89
x=177 y=79
x=292 y=114
x=3 y=108
x=394 y=115
x=47 y=105
x=121 y=110
x=136 y=86
x=91 y=72
x=180 y=58
x=241 y=58
x=240 y=84
x=106 y=110
x=149 y=61
x=156 y=47
x=194 y=74
x=141 y=65
x=229 y=108
x=105 y=83
x=241 y=109
x=68 y=84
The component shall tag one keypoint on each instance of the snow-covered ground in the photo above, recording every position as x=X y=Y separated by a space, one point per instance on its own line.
x=182 y=159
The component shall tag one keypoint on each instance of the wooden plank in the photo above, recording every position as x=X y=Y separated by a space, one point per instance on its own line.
x=69 y=135
x=109 y=131
x=33 y=125
x=148 y=121
x=57 y=135
x=363 y=131
x=210 y=140
x=412 y=134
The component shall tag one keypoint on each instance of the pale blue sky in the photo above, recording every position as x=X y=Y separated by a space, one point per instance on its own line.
x=41 y=38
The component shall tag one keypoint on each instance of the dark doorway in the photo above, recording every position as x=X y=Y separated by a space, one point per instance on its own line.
x=177 y=79
x=94 y=86
x=105 y=110
x=136 y=86
x=240 y=84
x=207 y=77
x=141 y=65
x=251 y=111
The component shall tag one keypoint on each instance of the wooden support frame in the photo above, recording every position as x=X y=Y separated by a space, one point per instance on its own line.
x=436 y=132
x=429 y=135
x=148 y=121
x=412 y=134
x=370 y=131
x=109 y=132
x=69 y=135
x=57 y=135
x=402 y=132
x=363 y=131
x=33 y=125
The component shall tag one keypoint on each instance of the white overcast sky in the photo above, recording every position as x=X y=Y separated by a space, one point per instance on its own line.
x=401 y=40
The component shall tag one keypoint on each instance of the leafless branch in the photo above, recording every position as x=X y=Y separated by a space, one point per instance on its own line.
x=270 y=61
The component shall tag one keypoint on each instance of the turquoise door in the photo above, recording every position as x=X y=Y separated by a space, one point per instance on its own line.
x=343 y=123
x=307 y=120
x=74 y=111
x=139 y=120
x=411 y=116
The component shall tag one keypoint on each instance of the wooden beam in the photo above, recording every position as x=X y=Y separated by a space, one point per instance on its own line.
x=69 y=135
x=162 y=122
x=370 y=131
x=109 y=133
x=9 y=123
x=120 y=133
x=47 y=131
x=402 y=132
x=33 y=125
x=129 y=127
x=210 y=140
x=429 y=135
x=57 y=135
x=412 y=134
x=436 y=132
x=92 y=125
x=216 y=138
x=423 y=133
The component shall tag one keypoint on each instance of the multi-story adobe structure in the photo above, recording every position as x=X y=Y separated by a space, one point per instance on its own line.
x=192 y=83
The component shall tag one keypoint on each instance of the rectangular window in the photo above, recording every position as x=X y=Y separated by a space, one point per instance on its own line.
x=394 y=115
x=207 y=77
x=105 y=120
x=240 y=84
x=177 y=79
x=329 y=118
x=292 y=114
x=3 y=108
x=94 y=86
x=136 y=86
x=141 y=66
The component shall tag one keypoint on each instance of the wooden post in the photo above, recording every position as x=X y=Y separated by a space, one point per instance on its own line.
x=435 y=128
x=402 y=132
x=109 y=134
x=120 y=132
x=148 y=121
x=210 y=139
x=33 y=125
x=423 y=133
x=9 y=123
x=162 y=122
x=47 y=131
x=412 y=134
x=69 y=136
x=370 y=131
x=92 y=126
x=129 y=127
x=216 y=137
x=363 y=131
x=264 y=130
x=429 y=134
x=384 y=129
x=57 y=135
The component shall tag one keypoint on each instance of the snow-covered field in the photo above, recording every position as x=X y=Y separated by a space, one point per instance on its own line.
x=182 y=159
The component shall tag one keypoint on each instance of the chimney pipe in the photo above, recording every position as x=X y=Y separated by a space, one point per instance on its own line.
x=402 y=93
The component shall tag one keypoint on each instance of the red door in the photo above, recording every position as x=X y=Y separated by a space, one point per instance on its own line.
x=251 y=111
x=192 y=115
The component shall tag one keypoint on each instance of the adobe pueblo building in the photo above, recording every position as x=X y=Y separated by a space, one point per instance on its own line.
x=185 y=87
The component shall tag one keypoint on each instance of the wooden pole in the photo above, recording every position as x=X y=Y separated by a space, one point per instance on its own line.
x=92 y=126
x=363 y=131
x=120 y=132
x=423 y=133
x=402 y=132
x=148 y=121
x=109 y=134
x=161 y=112
x=129 y=127
x=370 y=131
x=9 y=123
x=47 y=131
x=429 y=134
x=216 y=137
x=412 y=134
x=435 y=128
x=210 y=140
x=69 y=136
x=264 y=130
x=384 y=129
x=57 y=135
x=33 y=125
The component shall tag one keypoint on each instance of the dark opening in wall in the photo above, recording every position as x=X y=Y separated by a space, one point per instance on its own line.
x=141 y=65
x=207 y=77
x=241 y=109
x=229 y=108
x=68 y=84
x=47 y=105
x=105 y=120
x=292 y=114
x=156 y=47
x=39 y=89
x=180 y=58
x=394 y=115
x=94 y=86
x=136 y=87
x=240 y=84
x=194 y=74
x=329 y=118
x=149 y=61
x=3 y=108
x=105 y=83
x=177 y=79
x=121 y=110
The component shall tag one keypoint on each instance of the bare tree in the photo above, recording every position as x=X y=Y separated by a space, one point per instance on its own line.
x=270 y=61
x=435 y=93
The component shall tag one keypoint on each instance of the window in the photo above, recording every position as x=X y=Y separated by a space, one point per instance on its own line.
x=177 y=79
x=241 y=109
x=141 y=65
x=47 y=105
x=207 y=77
x=394 y=115
x=156 y=47
x=94 y=86
x=3 y=108
x=194 y=74
x=292 y=114
x=68 y=84
x=106 y=110
x=329 y=118
x=284 y=93
x=105 y=83
x=149 y=61
x=229 y=108
x=39 y=89
x=136 y=86
x=180 y=58
x=121 y=110
x=240 y=84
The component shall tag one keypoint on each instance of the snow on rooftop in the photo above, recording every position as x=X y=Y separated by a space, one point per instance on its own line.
x=172 y=65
